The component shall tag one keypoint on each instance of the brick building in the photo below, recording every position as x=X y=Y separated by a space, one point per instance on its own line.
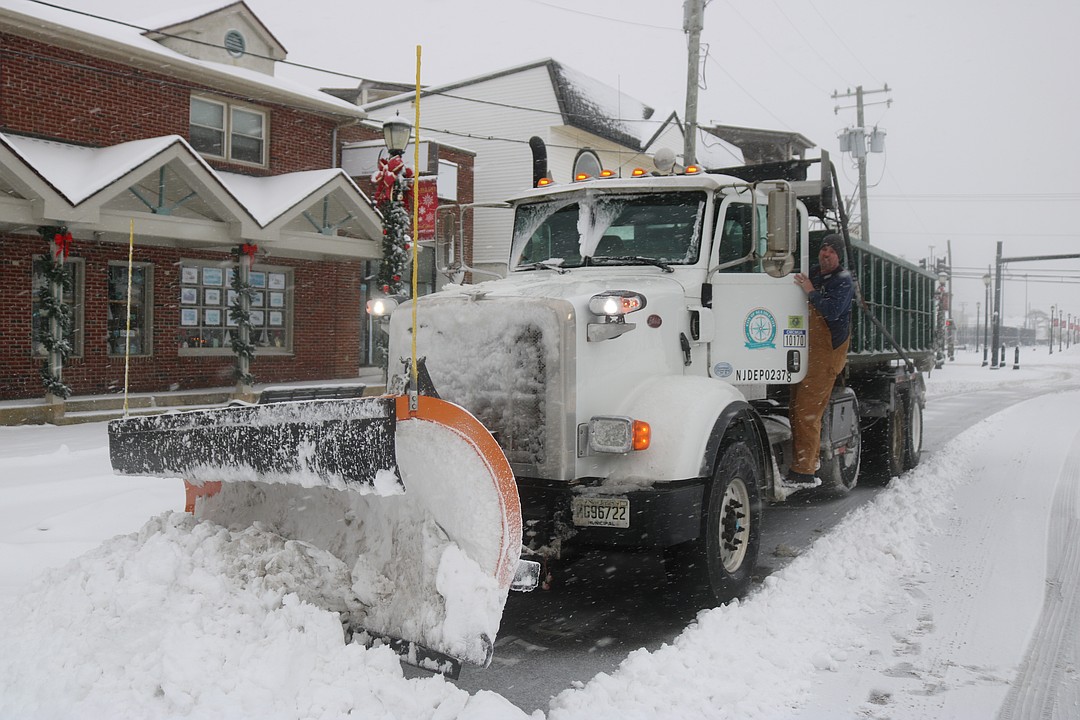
x=178 y=142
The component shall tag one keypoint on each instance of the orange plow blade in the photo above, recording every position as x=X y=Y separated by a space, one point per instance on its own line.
x=427 y=569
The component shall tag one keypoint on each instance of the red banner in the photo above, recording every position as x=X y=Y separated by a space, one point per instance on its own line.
x=429 y=203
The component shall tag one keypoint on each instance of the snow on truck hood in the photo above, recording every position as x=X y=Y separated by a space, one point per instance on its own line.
x=575 y=286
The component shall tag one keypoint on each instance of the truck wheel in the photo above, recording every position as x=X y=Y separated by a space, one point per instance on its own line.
x=717 y=566
x=913 y=433
x=840 y=473
x=883 y=447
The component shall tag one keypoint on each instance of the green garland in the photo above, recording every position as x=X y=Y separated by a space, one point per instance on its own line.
x=396 y=239
x=51 y=309
x=240 y=315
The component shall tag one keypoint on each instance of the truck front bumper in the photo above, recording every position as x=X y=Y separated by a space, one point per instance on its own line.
x=664 y=515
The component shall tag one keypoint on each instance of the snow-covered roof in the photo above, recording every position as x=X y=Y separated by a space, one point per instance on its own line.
x=78 y=172
x=585 y=103
x=85 y=179
x=267 y=198
x=130 y=45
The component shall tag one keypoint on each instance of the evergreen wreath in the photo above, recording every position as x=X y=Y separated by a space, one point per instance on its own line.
x=393 y=185
x=241 y=315
x=56 y=275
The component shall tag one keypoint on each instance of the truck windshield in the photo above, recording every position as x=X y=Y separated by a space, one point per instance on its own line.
x=612 y=229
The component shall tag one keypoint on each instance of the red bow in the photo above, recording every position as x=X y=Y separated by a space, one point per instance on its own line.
x=63 y=245
x=385 y=177
x=249 y=250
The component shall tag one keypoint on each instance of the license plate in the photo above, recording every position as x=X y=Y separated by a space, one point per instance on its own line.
x=601 y=512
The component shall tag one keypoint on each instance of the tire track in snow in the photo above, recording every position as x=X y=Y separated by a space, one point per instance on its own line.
x=1046 y=686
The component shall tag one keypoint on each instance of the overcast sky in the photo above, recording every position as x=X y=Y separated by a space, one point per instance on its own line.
x=980 y=132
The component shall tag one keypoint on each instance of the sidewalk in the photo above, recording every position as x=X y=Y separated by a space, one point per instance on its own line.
x=94 y=408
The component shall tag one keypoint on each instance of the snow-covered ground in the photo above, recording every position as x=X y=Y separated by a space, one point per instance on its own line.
x=954 y=594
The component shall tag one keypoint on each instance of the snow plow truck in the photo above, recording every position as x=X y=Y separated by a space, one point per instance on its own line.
x=624 y=387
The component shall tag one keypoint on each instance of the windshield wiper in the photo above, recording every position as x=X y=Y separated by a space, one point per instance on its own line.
x=555 y=265
x=632 y=260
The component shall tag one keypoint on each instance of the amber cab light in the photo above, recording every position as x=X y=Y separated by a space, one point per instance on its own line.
x=638 y=172
x=693 y=169
x=543 y=182
x=582 y=176
x=607 y=173
x=642 y=435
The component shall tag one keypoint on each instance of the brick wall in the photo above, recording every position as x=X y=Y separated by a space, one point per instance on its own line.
x=50 y=92
x=326 y=309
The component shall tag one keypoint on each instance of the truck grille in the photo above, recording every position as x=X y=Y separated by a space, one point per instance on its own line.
x=500 y=360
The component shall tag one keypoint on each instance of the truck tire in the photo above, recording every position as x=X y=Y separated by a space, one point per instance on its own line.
x=840 y=473
x=883 y=447
x=718 y=565
x=913 y=433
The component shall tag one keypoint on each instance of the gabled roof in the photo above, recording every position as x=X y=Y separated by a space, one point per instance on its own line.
x=584 y=102
x=186 y=13
x=129 y=45
x=166 y=184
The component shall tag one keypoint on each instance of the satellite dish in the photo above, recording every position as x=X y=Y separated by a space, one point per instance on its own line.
x=664 y=160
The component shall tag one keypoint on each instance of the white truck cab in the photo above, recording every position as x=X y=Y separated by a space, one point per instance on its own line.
x=633 y=364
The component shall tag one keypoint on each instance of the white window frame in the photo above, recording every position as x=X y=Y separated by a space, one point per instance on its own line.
x=228 y=132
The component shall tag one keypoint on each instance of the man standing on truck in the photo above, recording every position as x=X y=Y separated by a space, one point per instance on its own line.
x=829 y=289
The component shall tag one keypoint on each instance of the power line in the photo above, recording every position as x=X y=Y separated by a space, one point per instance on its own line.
x=190 y=40
x=841 y=39
x=605 y=17
x=807 y=42
x=945 y=233
x=983 y=197
x=306 y=67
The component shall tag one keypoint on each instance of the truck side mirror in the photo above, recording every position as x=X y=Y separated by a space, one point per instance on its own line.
x=781 y=235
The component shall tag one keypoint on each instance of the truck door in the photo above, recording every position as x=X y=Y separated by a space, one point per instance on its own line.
x=761 y=321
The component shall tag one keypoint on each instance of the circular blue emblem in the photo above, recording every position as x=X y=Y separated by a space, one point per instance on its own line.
x=760 y=329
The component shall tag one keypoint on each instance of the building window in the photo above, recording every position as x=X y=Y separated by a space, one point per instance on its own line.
x=230 y=132
x=588 y=163
x=73 y=298
x=206 y=295
x=138 y=338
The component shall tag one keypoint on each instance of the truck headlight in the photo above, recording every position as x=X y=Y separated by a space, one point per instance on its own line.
x=615 y=304
x=617 y=434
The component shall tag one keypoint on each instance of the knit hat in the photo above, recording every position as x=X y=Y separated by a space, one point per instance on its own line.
x=836 y=242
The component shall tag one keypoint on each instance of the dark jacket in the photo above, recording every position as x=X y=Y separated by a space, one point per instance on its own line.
x=832 y=296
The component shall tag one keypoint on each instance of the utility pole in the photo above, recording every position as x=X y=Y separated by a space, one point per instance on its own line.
x=693 y=21
x=854 y=140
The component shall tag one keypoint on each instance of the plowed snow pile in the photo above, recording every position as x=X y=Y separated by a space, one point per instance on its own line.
x=189 y=619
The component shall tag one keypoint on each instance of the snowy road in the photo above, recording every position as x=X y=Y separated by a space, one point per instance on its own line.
x=953 y=593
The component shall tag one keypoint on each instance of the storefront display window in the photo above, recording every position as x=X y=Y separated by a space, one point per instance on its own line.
x=135 y=338
x=205 y=299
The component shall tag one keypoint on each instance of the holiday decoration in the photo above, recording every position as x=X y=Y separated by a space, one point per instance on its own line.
x=55 y=327
x=63 y=242
x=392 y=191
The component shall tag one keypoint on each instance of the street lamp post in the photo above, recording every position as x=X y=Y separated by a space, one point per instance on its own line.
x=978 y=319
x=391 y=184
x=986 y=321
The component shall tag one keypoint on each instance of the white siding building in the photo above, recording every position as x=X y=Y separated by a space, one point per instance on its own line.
x=581 y=120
